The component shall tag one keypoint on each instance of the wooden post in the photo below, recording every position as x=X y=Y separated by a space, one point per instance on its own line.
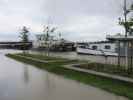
x=131 y=57
x=118 y=55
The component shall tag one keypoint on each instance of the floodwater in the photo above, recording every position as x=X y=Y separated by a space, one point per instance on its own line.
x=19 y=81
x=74 y=55
x=92 y=58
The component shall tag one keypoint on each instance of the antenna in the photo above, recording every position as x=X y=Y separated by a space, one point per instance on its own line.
x=125 y=16
x=49 y=21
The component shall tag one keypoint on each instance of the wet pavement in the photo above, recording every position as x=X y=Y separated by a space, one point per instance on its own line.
x=19 y=81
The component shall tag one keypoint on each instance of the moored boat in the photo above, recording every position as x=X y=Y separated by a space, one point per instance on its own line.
x=89 y=51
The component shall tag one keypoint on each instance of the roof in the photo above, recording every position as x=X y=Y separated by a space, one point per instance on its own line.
x=100 y=42
x=119 y=37
x=97 y=42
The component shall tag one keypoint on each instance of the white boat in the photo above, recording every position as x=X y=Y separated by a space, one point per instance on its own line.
x=82 y=50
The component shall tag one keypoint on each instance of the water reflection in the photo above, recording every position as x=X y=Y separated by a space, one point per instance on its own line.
x=26 y=74
x=20 y=81
x=49 y=86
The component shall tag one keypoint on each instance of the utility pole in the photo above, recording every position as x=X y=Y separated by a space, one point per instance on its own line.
x=126 y=33
x=125 y=16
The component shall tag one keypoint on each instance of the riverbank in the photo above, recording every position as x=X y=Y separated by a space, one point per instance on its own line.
x=111 y=85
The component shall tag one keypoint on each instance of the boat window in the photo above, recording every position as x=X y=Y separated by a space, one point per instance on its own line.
x=94 y=47
x=107 y=47
x=82 y=46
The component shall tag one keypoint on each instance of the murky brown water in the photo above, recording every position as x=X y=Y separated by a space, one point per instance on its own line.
x=20 y=81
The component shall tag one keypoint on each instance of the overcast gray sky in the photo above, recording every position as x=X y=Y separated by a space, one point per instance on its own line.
x=77 y=20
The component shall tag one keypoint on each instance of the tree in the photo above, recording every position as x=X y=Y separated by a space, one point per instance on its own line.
x=127 y=23
x=47 y=36
x=24 y=35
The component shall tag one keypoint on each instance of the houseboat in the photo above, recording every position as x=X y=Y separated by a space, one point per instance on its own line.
x=104 y=48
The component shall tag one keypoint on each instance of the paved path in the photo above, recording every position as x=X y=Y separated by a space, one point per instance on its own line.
x=126 y=79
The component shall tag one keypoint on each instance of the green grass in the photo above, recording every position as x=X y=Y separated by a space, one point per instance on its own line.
x=115 y=86
x=106 y=68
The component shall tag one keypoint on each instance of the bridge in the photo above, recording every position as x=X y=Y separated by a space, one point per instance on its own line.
x=15 y=45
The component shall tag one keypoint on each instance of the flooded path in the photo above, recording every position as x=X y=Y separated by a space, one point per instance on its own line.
x=74 y=55
x=20 y=81
x=94 y=58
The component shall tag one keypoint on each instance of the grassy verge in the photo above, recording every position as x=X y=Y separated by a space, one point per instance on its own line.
x=111 y=85
x=106 y=68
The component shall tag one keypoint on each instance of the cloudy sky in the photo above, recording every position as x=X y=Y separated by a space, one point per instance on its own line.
x=77 y=20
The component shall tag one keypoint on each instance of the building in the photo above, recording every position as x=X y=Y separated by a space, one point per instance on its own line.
x=120 y=41
x=53 y=44
x=16 y=45
x=113 y=44
x=125 y=49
